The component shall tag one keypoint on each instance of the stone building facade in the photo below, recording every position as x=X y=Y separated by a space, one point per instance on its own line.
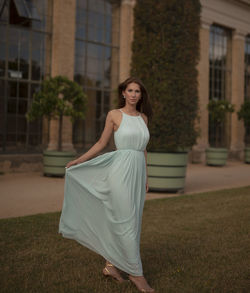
x=224 y=34
x=89 y=41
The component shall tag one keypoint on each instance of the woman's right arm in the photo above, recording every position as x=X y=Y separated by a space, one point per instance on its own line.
x=99 y=145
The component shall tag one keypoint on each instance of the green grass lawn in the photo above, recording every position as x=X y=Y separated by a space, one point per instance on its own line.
x=191 y=243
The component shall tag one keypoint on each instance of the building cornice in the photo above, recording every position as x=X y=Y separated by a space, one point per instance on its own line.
x=243 y=1
x=229 y=13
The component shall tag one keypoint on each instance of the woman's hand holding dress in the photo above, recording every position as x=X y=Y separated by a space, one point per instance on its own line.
x=97 y=147
x=71 y=163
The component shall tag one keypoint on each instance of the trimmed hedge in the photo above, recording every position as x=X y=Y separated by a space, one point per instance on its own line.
x=165 y=53
x=244 y=114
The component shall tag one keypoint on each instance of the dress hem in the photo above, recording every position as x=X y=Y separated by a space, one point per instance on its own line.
x=101 y=254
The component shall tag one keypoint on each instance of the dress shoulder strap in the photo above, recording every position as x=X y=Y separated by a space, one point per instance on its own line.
x=130 y=115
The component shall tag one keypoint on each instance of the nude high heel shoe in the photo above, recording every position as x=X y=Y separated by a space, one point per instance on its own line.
x=116 y=276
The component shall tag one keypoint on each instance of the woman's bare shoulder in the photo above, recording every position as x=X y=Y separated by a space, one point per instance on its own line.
x=114 y=113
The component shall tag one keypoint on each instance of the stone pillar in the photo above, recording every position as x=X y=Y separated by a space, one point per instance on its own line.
x=126 y=37
x=237 y=98
x=62 y=63
x=198 y=150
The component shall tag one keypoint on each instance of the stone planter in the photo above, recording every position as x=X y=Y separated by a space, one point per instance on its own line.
x=54 y=162
x=216 y=156
x=167 y=171
x=247 y=155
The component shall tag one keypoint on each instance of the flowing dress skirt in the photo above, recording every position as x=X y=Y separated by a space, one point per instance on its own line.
x=103 y=204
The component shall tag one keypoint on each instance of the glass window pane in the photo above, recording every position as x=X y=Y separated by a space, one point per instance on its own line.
x=18 y=14
x=94 y=65
x=95 y=51
x=11 y=123
x=247 y=68
x=23 y=90
x=13 y=55
x=82 y=4
x=32 y=9
x=106 y=98
x=34 y=88
x=12 y=89
x=22 y=8
x=21 y=124
x=96 y=5
x=80 y=49
x=11 y=138
x=219 y=74
x=79 y=65
x=12 y=106
x=94 y=59
x=22 y=107
x=44 y=11
x=81 y=15
x=22 y=53
x=2 y=86
x=37 y=56
x=81 y=31
x=2 y=49
x=2 y=112
x=34 y=139
x=21 y=138
x=108 y=30
x=95 y=34
x=108 y=8
x=34 y=126
x=5 y=13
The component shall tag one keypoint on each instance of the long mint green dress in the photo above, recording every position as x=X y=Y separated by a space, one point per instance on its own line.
x=104 y=198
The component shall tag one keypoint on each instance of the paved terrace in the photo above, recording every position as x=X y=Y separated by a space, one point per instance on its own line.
x=24 y=194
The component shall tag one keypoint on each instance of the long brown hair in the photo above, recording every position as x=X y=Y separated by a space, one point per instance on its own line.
x=143 y=104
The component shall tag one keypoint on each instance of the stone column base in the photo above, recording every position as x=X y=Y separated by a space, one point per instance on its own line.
x=236 y=154
x=198 y=154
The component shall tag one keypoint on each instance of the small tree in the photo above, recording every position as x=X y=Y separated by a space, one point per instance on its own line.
x=165 y=56
x=244 y=114
x=218 y=110
x=58 y=97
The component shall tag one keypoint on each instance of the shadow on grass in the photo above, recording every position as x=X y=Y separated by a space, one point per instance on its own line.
x=192 y=243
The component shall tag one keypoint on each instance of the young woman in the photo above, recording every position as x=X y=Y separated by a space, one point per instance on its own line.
x=104 y=195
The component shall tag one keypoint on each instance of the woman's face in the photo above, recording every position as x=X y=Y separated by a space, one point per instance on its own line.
x=132 y=93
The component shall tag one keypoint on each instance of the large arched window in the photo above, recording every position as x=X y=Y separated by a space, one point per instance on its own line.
x=247 y=82
x=24 y=62
x=96 y=64
x=220 y=70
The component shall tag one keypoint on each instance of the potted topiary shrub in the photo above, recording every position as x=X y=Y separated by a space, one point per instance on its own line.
x=216 y=154
x=244 y=114
x=58 y=97
x=165 y=56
